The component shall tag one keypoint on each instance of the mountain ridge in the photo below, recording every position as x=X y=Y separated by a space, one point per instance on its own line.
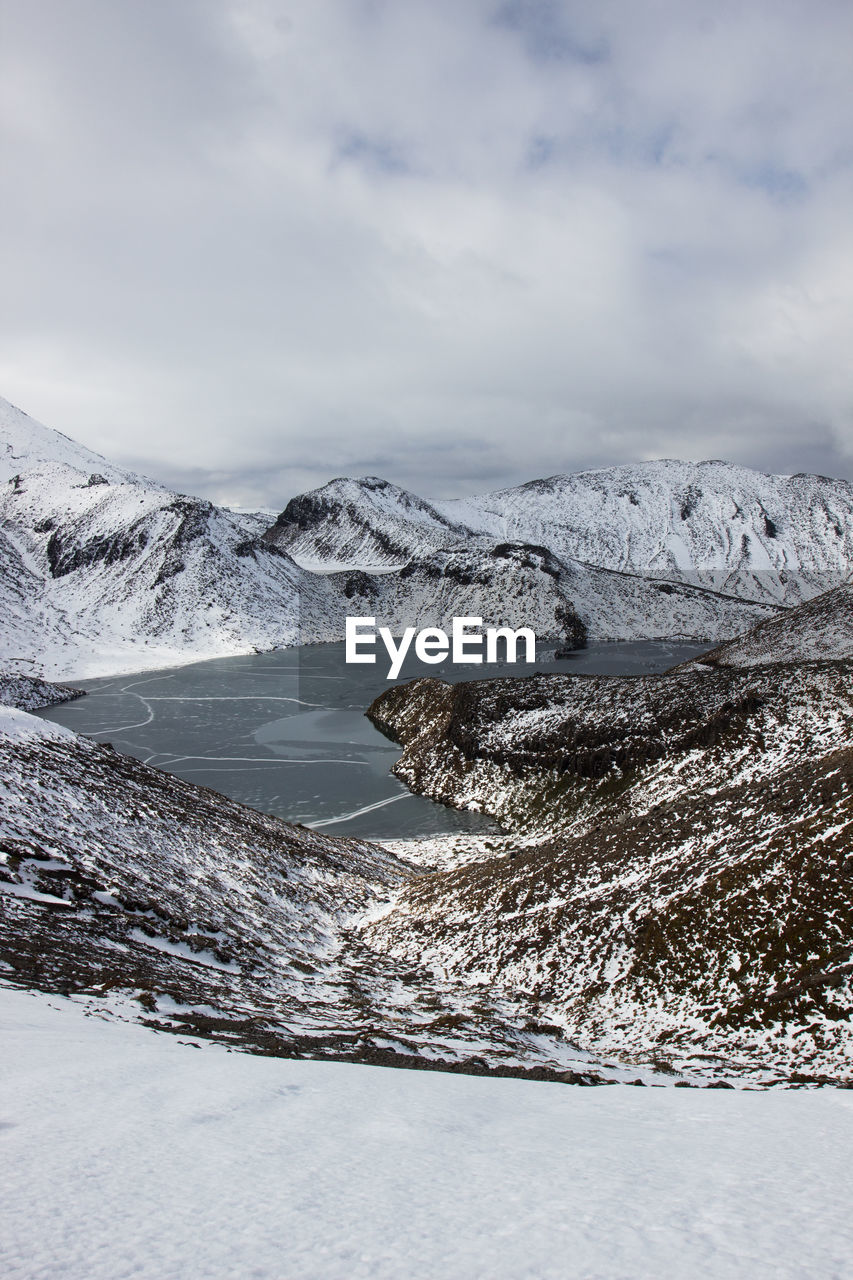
x=760 y=535
x=103 y=571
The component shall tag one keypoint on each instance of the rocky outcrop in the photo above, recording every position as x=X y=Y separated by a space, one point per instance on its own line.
x=676 y=880
x=582 y=725
x=521 y=748
x=362 y=523
x=28 y=693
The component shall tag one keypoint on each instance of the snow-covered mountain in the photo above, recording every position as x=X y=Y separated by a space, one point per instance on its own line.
x=101 y=569
x=28 y=445
x=366 y=524
x=714 y=524
x=747 y=532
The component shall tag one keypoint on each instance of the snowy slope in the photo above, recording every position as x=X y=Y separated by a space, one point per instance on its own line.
x=681 y=876
x=820 y=628
x=26 y=444
x=363 y=524
x=176 y=906
x=142 y=1157
x=103 y=570
x=410 y=562
x=743 y=531
x=30 y=624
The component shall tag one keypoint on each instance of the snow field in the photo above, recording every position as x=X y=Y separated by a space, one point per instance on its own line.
x=130 y=1154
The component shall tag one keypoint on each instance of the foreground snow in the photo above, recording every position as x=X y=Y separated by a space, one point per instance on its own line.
x=126 y=1153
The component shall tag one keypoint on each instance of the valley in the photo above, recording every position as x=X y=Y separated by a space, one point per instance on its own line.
x=630 y=864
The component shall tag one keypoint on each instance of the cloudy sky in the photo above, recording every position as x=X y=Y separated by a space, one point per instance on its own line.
x=249 y=245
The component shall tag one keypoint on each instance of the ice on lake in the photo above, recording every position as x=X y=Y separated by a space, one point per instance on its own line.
x=286 y=733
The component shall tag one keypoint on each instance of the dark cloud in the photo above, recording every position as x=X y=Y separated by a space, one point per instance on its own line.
x=250 y=244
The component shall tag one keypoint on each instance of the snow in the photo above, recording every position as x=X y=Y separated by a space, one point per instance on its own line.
x=699 y=841
x=820 y=628
x=716 y=522
x=127 y=1153
x=180 y=949
x=105 y=572
x=28 y=443
x=19 y=726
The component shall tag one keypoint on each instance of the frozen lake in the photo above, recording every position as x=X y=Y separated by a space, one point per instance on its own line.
x=286 y=733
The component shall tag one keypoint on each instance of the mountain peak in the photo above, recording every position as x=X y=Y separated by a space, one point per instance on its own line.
x=26 y=444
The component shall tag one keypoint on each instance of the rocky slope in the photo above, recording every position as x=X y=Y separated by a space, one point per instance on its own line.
x=712 y=929
x=820 y=628
x=531 y=750
x=679 y=877
x=363 y=524
x=154 y=899
x=29 y=693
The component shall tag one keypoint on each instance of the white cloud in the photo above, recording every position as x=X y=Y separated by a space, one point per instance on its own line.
x=252 y=245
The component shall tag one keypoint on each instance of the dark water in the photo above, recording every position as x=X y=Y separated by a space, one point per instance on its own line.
x=286 y=732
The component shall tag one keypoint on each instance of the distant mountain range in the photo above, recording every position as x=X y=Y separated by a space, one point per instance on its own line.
x=102 y=570
x=713 y=524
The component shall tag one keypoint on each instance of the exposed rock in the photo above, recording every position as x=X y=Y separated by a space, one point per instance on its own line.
x=28 y=693
x=680 y=879
x=170 y=904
